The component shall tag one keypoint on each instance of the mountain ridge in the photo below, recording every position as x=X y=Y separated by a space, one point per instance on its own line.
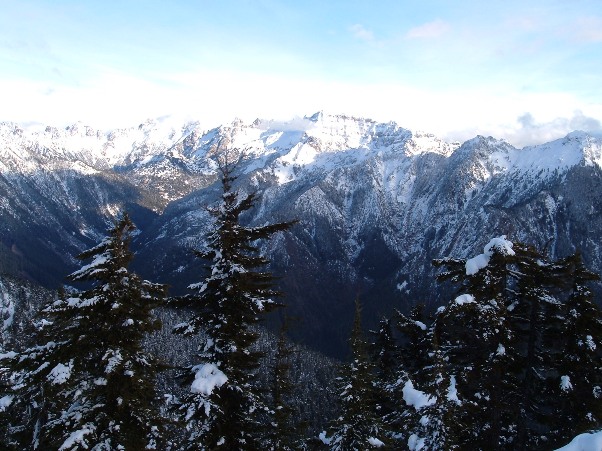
x=376 y=203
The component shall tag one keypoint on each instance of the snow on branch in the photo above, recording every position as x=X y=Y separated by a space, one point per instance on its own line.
x=60 y=373
x=376 y=443
x=5 y=402
x=499 y=244
x=77 y=437
x=452 y=391
x=465 y=299
x=97 y=265
x=208 y=376
x=565 y=383
x=416 y=398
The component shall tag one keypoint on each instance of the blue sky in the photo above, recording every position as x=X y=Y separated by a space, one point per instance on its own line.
x=526 y=71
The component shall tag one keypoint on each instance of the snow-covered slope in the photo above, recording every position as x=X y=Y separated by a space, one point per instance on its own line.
x=585 y=442
x=376 y=202
x=19 y=303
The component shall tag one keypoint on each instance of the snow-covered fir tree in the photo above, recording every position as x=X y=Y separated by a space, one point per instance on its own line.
x=475 y=333
x=359 y=426
x=388 y=369
x=224 y=405
x=412 y=359
x=578 y=385
x=88 y=383
x=437 y=426
x=536 y=321
x=283 y=431
x=7 y=309
x=513 y=343
x=414 y=344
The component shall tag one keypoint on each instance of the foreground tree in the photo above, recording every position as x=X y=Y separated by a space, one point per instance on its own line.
x=384 y=354
x=359 y=426
x=536 y=319
x=224 y=402
x=414 y=343
x=89 y=384
x=522 y=341
x=475 y=332
x=578 y=389
x=283 y=431
x=437 y=428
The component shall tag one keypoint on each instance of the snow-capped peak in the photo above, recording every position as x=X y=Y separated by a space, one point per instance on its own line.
x=322 y=140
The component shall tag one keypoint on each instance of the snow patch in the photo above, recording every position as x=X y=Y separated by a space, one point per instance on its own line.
x=60 y=373
x=8 y=355
x=114 y=358
x=208 y=376
x=499 y=244
x=98 y=262
x=5 y=401
x=420 y=324
x=465 y=299
x=591 y=344
x=415 y=443
x=452 y=391
x=375 y=442
x=7 y=310
x=565 y=383
x=477 y=263
x=585 y=442
x=402 y=286
x=76 y=437
x=416 y=398
x=323 y=438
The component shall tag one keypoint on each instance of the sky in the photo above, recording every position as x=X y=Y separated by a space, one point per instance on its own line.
x=525 y=71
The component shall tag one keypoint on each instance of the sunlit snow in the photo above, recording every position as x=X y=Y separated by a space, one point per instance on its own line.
x=585 y=442
x=499 y=244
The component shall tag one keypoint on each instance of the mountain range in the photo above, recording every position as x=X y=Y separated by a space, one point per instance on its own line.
x=375 y=203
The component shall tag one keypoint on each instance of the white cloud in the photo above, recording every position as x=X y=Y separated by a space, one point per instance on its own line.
x=114 y=99
x=526 y=130
x=360 y=32
x=295 y=124
x=588 y=29
x=432 y=29
x=533 y=132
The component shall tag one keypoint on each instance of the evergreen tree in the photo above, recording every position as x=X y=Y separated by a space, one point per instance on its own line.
x=6 y=402
x=225 y=402
x=385 y=357
x=283 y=435
x=7 y=309
x=514 y=345
x=437 y=427
x=578 y=385
x=414 y=344
x=536 y=320
x=411 y=351
x=359 y=426
x=89 y=384
x=384 y=352
x=475 y=331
